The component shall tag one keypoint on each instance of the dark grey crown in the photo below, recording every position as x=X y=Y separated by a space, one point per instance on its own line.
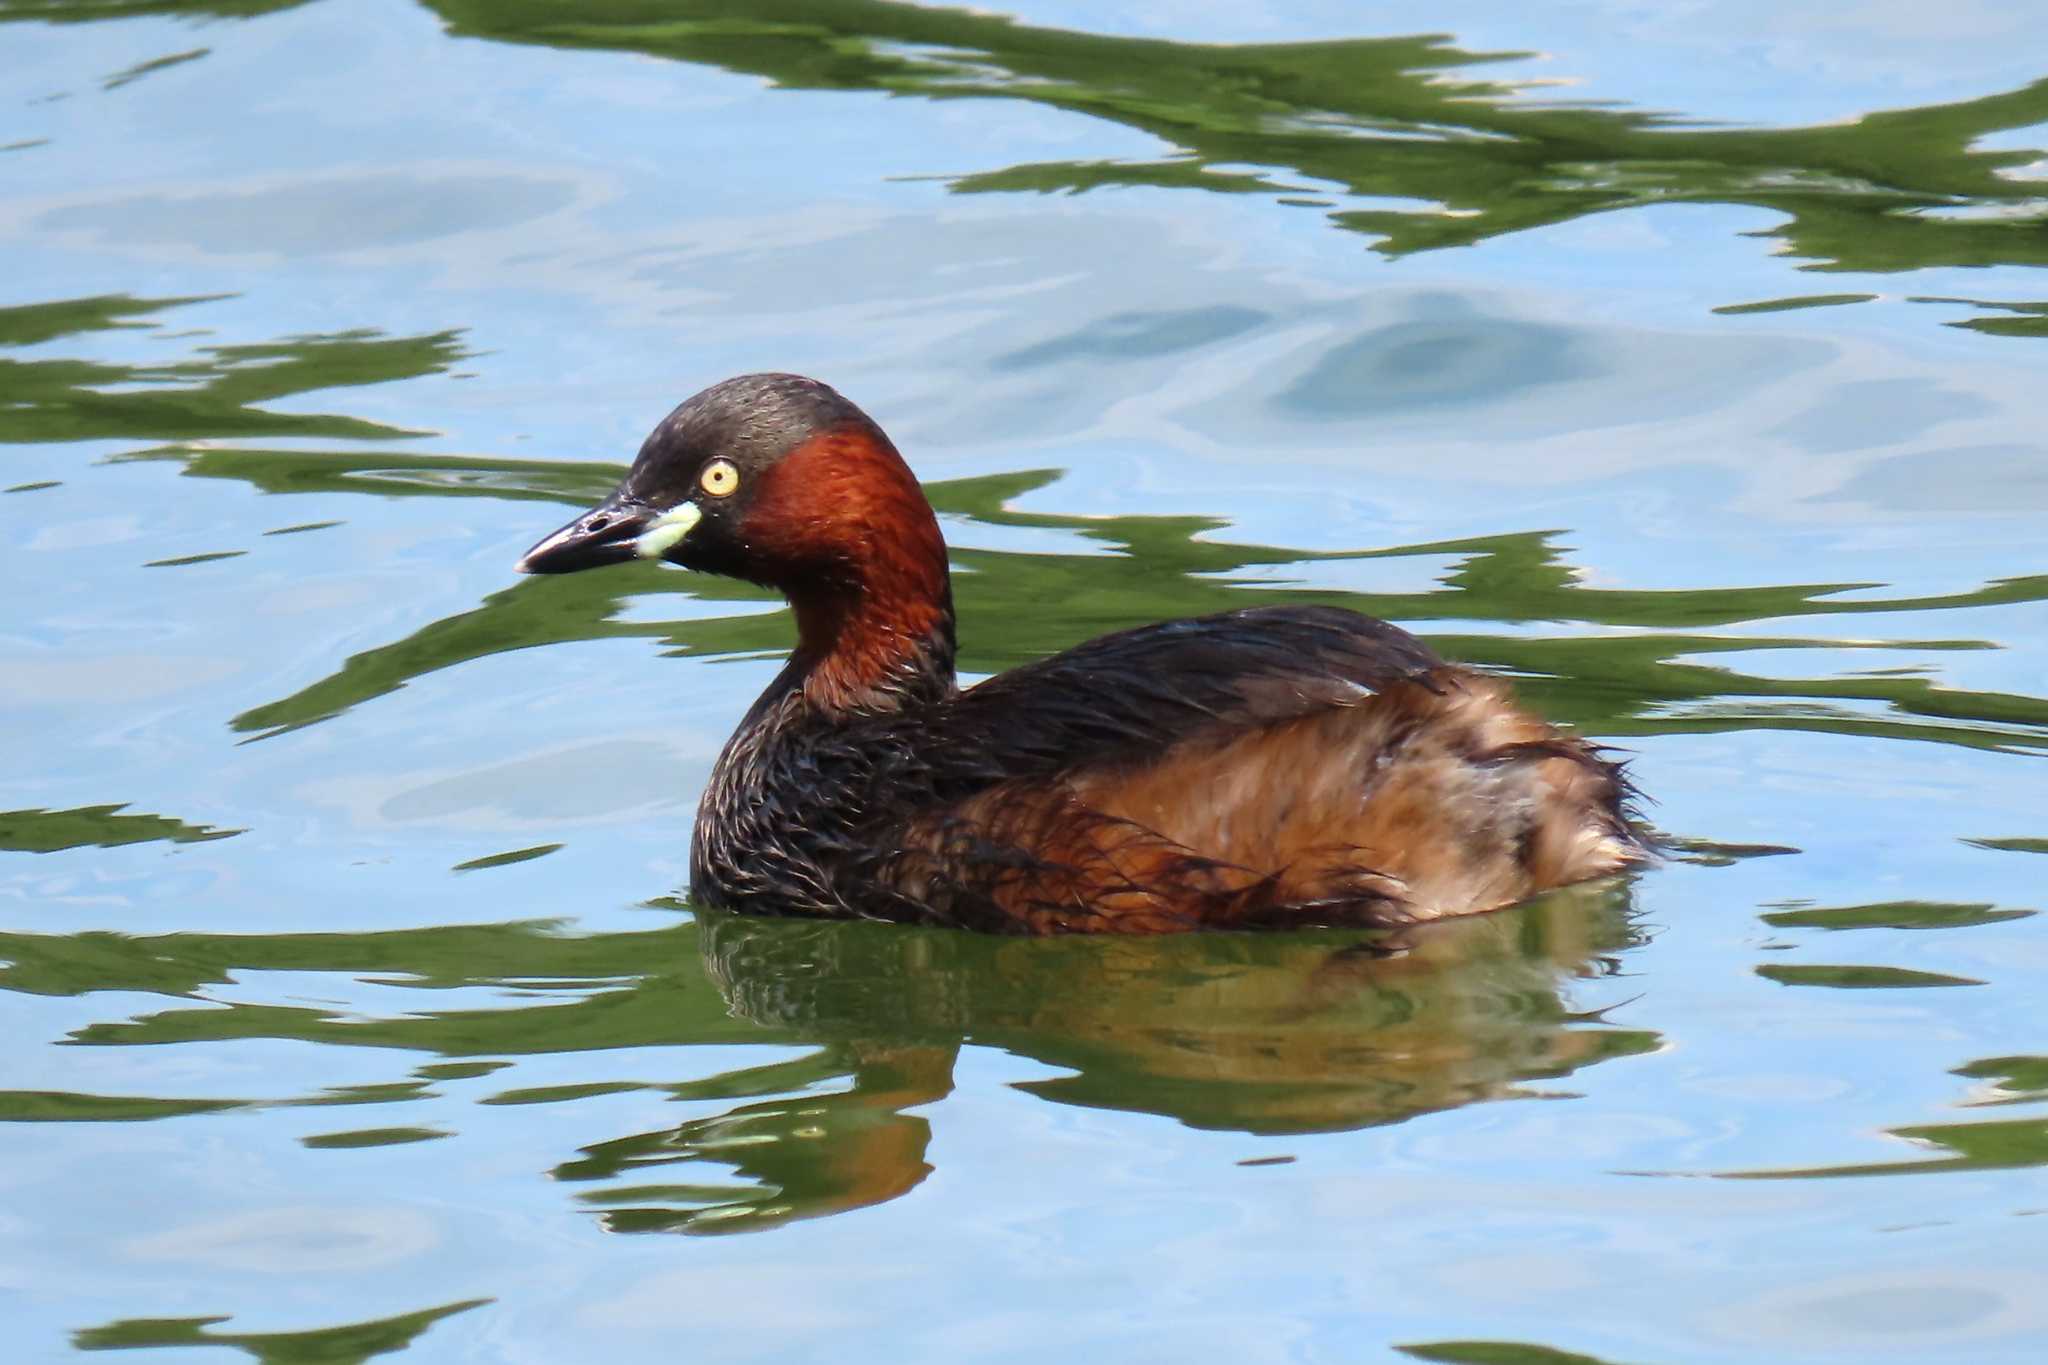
x=752 y=420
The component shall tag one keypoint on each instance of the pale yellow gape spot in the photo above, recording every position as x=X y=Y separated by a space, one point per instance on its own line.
x=667 y=531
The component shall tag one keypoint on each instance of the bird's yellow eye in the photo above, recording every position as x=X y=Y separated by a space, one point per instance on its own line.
x=719 y=478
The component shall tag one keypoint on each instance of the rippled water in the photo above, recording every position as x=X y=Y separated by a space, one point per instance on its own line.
x=1684 y=363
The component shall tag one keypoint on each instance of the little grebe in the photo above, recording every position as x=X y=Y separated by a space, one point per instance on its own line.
x=1270 y=767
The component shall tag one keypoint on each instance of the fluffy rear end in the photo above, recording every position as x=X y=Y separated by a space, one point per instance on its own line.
x=1436 y=797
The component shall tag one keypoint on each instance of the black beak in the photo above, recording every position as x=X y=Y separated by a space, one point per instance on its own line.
x=603 y=535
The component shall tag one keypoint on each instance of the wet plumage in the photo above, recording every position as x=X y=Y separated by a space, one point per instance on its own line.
x=1260 y=768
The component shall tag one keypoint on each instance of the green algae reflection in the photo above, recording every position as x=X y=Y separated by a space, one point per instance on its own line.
x=217 y=391
x=1401 y=121
x=1655 y=674
x=345 y=1345
x=1253 y=1033
x=1402 y=139
x=49 y=831
x=1496 y=1353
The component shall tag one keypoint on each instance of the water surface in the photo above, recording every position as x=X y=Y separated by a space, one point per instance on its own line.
x=1683 y=367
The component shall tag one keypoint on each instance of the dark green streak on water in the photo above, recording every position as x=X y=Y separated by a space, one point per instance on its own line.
x=1786 y=305
x=47 y=831
x=1495 y=1353
x=152 y=66
x=216 y=393
x=508 y=859
x=2009 y=1145
x=2012 y=845
x=2018 y=1080
x=2019 y=320
x=210 y=557
x=322 y=1346
x=57 y=1106
x=1895 y=915
x=78 y=11
x=371 y=1137
x=1859 y=978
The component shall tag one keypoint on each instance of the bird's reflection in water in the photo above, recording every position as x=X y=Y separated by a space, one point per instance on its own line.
x=1258 y=1033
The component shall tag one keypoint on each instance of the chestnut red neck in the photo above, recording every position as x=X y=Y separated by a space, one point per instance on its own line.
x=842 y=528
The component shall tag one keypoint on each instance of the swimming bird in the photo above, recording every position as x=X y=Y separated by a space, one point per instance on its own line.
x=1262 y=768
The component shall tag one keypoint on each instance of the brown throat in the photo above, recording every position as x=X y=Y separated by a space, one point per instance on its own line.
x=842 y=527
